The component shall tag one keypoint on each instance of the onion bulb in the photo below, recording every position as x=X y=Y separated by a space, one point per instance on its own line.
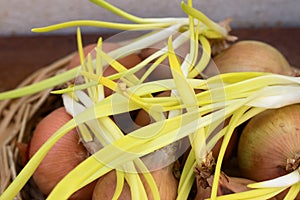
x=254 y=56
x=161 y=168
x=128 y=61
x=106 y=185
x=143 y=118
x=166 y=183
x=65 y=155
x=269 y=145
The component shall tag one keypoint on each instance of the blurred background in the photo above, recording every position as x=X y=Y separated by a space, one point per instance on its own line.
x=18 y=17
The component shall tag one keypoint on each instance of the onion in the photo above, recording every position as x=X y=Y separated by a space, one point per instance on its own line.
x=249 y=55
x=166 y=183
x=143 y=119
x=65 y=155
x=269 y=145
x=163 y=167
x=128 y=61
x=106 y=185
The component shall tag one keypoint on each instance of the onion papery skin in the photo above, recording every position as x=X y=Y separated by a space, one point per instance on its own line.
x=65 y=155
x=254 y=56
x=268 y=141
x=166 y=183
x=106 y=185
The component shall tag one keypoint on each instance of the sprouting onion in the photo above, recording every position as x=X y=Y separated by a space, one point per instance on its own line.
x=239 y=95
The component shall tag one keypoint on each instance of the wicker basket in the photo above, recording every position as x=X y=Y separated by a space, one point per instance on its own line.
x=18 y=118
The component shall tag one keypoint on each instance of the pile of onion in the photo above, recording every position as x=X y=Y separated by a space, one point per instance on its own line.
x=163 y=175
x=269 y=145
x=268 y=142
x=251 y=56
x=68 y=152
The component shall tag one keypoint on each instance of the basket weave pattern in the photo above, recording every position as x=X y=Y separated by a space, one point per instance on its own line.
x=18 y=118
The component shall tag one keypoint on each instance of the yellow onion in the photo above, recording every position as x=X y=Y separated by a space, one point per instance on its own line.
x=269 y=145
x=128 y=61
x=250 y=55
x=65 y=155
x=167 y=185
x=106 y=185
x=163 y=172
x=163 y=175
x=142 y=118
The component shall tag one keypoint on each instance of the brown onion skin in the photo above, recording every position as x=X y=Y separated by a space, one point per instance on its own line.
x=143 y=118
x=106 y=185
x=166 y=183
x=267 y=141
x=65 y=155
x=254 y=56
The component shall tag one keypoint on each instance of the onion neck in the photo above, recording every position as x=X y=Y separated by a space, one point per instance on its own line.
x=204 y=170
x=293 y=163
